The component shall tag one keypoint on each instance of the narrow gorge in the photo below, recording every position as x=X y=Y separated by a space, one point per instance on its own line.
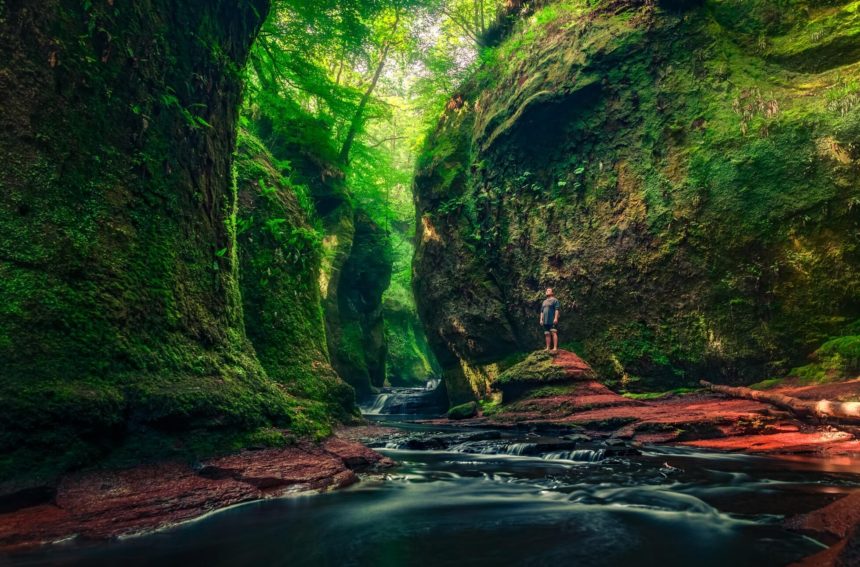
x=254 y=251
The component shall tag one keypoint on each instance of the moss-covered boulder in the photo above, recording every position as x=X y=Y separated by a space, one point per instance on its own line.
x=687 y=172
x=836 y=359
x=463 y=411
x=541 y=369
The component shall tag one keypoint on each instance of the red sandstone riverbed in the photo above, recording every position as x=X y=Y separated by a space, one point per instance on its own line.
x=107 y=504
x=705 y=420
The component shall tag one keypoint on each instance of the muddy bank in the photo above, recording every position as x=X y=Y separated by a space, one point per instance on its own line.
x=101 y=505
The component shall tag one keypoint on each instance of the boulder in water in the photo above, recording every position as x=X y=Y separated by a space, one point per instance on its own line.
x=463 y=411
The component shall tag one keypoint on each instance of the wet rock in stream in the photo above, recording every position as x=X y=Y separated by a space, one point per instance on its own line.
x=575 y=447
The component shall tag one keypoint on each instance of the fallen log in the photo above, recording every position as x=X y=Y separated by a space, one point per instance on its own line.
x=848 y=412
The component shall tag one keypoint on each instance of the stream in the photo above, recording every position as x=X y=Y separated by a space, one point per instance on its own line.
x=463 y=496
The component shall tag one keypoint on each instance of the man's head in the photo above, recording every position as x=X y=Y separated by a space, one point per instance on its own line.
x=549 y=292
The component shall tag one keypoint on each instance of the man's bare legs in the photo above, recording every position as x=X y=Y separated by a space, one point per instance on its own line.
x=548 y=340
x=554 y=341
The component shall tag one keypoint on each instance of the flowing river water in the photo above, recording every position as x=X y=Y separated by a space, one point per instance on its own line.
x=483 y=497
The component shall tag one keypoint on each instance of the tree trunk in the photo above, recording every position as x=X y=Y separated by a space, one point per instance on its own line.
x=483 y=21
x=822 y=409
x=365 y=99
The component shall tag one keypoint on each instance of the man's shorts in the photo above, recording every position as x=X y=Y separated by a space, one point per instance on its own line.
x=549 y=328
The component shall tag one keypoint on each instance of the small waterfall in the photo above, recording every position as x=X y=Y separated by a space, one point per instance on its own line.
x=530 y=449
x=519 y=448
x=405 y=401
x=378 y=405
x=581 y=455
x=460 y=443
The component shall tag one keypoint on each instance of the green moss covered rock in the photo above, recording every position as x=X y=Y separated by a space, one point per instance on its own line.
x=687 y=172
x=537 y=370
x=410 y=361
x=836 y=359
x=353 y=254
x=357 y=271
x=120 y=312
x=463 y=411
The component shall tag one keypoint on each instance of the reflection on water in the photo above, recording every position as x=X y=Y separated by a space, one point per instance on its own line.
x=475 y=500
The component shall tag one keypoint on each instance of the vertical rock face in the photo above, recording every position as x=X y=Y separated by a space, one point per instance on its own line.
x=410 y=362
x=354 y=306
x=688 y=172
x=354 y=265
x=280 y=256
x=119 y=303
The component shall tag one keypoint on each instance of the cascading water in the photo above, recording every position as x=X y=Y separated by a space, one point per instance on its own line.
x=412 y=402
x=377 y=406
x=519 y=448
x=579 y=455
x=483 y=443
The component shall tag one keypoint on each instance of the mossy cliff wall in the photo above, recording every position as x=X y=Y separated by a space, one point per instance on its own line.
x=410 y=361
x=357 y=272
x=688 y=172
x=355 y=258
x=120 y=313
x=280 y=252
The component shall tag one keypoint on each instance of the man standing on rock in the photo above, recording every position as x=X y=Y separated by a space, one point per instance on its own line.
x=549 y=319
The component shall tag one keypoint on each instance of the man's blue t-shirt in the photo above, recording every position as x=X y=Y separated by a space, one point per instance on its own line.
x=548 y=310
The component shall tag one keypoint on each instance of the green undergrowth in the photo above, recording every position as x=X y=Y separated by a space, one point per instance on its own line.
x=490 y=407
x=835 y=360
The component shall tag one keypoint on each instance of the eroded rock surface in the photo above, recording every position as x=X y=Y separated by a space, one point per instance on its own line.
x=107 y=504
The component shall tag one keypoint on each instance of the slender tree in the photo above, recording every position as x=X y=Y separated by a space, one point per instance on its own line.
x=358 y=117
